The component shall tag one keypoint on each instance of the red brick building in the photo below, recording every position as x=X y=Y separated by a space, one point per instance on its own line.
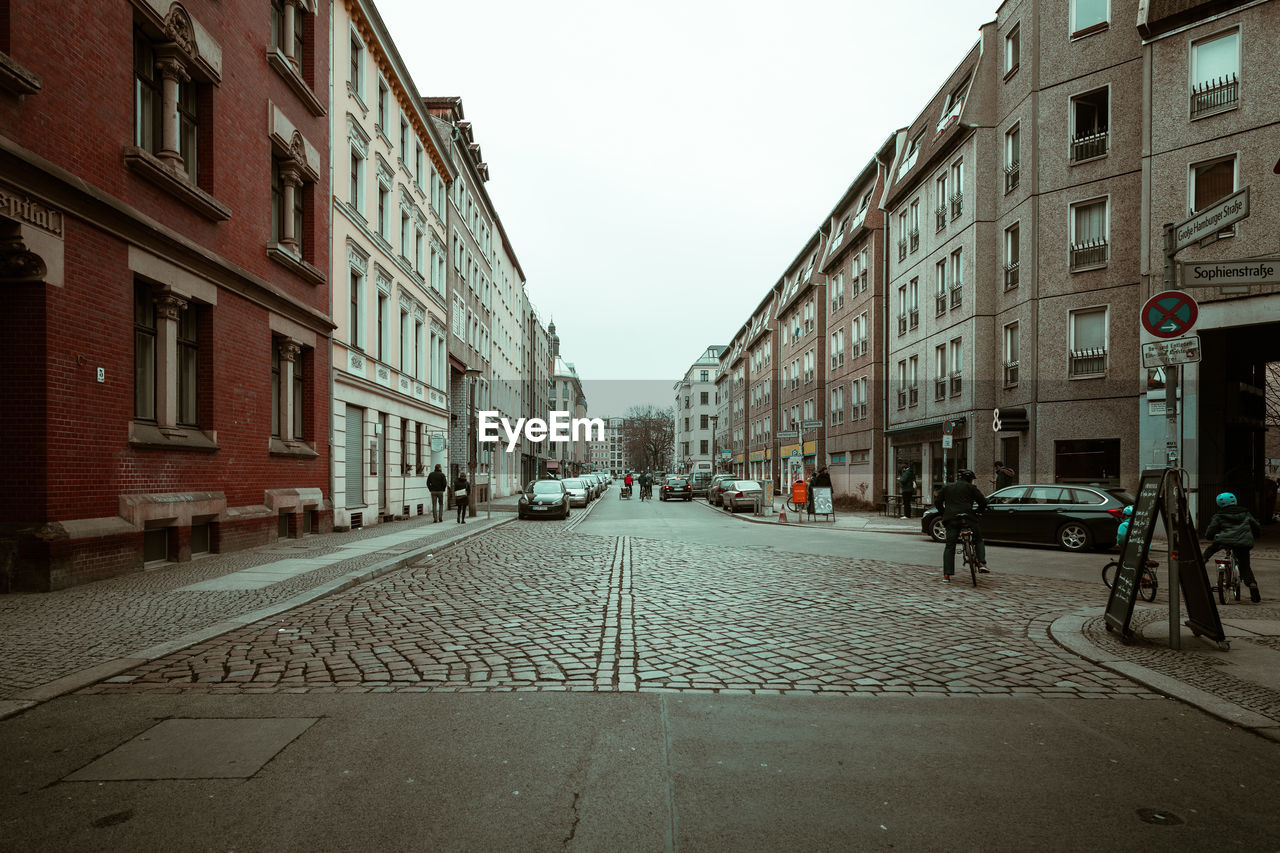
x=164 y=240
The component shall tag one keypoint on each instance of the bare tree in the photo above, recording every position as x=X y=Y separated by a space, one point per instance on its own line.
x=647 y=433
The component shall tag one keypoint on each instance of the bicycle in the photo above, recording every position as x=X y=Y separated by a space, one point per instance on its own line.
x=646 y=493
x=1228 y=576
x=1148 y=583
x=968 y=551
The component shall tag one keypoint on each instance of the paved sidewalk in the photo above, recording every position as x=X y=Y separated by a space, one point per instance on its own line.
x=55 y=643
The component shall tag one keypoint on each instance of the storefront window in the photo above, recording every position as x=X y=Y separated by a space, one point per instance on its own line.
x=1087 y=461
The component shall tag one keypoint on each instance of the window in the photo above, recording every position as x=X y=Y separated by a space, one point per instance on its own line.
x=1088 y=347
x=703 y=423
x=940 y=372
x=383 y=344
x=913 y=303
x=956 y=365
x=902 y=239
x=1092 y=461
x=913 y=378
x=957 y=277
x=1211 y=182
x=1012 y=54
x=704 y=398
x=166 y=84
x=940 y=212
x=902 y=384
x=355 y=82
x=418 y=156
x=355 y=314
x=704 y=376
x=1011 y=355
x=914 y=225
x=702 y=446
x=902 y=309
x=404 y=142
x=356 y=193
x=292 y=204
x=1090 y=118
x=1089 y=228
x=837 y=405
x=1012 y=158
x=957 y=188
x=384 y=99
x=287 y=393
x=1089 y=16
x=1215 y=74
x=166 y=357
x=909 y=158
x=954 y=104
x=1012 y=252
x=940 y=288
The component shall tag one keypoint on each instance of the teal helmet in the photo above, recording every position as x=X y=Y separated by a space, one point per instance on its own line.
x=1128 y=511
x=1226 y=499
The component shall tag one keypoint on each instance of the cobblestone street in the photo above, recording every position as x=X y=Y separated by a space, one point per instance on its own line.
x=538 y=608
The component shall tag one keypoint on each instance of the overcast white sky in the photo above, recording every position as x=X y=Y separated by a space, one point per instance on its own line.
x=657 y=166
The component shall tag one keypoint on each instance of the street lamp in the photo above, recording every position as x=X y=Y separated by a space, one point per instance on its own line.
x=715 y=420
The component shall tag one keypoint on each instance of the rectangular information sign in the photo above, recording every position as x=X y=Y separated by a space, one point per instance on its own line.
x=1231 y=273
x=1219 y=215
x=1177 y=351
x=822 y=500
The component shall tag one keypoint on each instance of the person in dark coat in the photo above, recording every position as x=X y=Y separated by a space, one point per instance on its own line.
x=953 y=500
x=1234 y=527
x=462 y=495
x=1003 y=475
x=907 y=485
x=437 y=483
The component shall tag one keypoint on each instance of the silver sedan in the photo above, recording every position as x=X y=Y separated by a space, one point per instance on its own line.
x=741 y=494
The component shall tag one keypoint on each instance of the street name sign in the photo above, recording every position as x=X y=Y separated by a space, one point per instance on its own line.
x=1178 y=351
x=1232 y=273
x=812 y=424
x=1211 y=220
x=1169 y=314
x=787 y=433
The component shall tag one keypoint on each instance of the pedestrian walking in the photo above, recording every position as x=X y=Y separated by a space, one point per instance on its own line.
x=462 y=495
x=907 y=485
x=437 y=483
x=1003 y=475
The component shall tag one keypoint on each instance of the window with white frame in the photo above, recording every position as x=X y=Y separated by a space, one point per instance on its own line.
x=902 y=309
x=836 y=286
x=957 y=188
x=166 y=356
x=902 y=235
x=1012 y=254
x=355 y=73
x=1089 y=230
x=1011 y=355
x=953 y=105
x=1012 y=158
x=913 y=380
x=957 y=363
x=902 y=383
x=383 y=341
x=1088 y=345
x=913 y=303
x=1210 y=182
x=808 y=410
x=940 y=193
x=940 y=287
x=1012 y=50
x=940 y=372
x=1089 y=16
x=1090 y=119
x=860 y=326
x=909 y=157
x=957 y=277
x=1215 y=73
x=355 y=193
x=358 y=265
x=913 y=224
x=837 y=405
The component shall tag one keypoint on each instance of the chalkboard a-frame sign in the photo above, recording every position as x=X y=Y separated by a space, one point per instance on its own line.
x=1124 y=592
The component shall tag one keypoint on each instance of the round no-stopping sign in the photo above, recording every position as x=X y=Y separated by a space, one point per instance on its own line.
x=1170 y=314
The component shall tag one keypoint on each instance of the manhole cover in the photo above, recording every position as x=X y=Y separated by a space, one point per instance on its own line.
x=196 y=749
x=1159 y=817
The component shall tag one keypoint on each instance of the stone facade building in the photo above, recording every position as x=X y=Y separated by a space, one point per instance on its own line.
x=695 y=406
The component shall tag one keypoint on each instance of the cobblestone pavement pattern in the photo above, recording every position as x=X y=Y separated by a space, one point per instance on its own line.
x=528 y=607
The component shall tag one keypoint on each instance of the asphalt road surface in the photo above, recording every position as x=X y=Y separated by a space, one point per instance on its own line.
x=650 y=677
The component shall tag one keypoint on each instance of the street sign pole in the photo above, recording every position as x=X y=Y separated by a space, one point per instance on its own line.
x=1172 y=456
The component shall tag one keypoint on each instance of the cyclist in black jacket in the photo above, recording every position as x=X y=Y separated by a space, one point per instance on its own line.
x=952 y=500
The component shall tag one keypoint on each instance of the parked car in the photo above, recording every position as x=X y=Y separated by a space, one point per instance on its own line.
x=700 y=481
x=740 y=494
x=716 y=486
x=543 y=499
x=595 y=483
x=1072 y=517
x=676 y=489
x=579 y=491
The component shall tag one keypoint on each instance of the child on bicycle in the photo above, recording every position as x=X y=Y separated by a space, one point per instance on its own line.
x=1122 y=532
x=954 y=499
x=1234 y=527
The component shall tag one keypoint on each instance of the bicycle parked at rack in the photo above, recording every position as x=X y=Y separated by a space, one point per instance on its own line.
x=1147 y=581
x=1228 y=576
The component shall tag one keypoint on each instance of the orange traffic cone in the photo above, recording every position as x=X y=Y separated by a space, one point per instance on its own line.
x=782 y=516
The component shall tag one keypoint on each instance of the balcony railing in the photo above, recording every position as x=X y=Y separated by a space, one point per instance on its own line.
x=1088 y=146
x=1011 y=276
x=1090 y=253
x=955 y=296
x=902 y=249
x=957 y=205
x=902 y=324
x=955 y=383
x=1089 y=362
x=914 y=317
x=1011 y=174
x=1010 y=374
x=940 y=303
x=940 y=388
x=1214 y=96
x=940 y=217
x=915 y=239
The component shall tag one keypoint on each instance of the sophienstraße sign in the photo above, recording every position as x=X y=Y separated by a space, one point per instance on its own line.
x=1210 y=221
x=1177 y=351
x=1232 y=273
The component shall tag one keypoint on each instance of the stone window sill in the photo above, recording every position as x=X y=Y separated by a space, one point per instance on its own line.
x=156 y=437
x=17 y=79
x=285 y=69
x=296 y=449
x=294 y=264
x=176 y=184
